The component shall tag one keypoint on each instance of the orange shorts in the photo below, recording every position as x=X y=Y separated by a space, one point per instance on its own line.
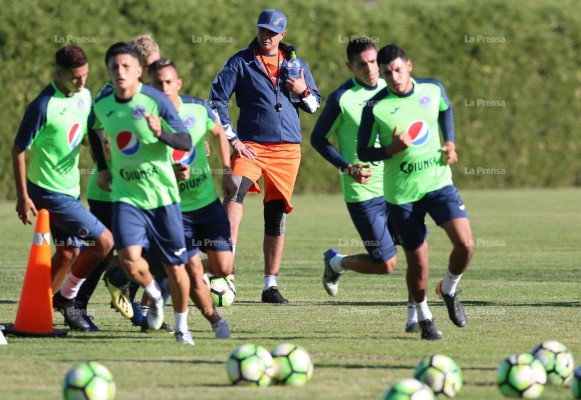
x=278 y=162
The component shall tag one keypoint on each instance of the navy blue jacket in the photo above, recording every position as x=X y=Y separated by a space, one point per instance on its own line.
x=256 y=97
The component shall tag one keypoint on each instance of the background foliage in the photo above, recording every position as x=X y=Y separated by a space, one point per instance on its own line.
x=522 y=57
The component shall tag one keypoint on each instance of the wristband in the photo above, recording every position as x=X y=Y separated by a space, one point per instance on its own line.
x=306 y=93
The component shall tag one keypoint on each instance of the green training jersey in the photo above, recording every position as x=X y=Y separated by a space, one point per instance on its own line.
x=420 y=169
x=199 y=190
x=342 y=116
x=142 y=172
x=52 y=130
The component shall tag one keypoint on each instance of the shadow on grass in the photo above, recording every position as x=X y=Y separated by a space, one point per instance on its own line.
x=571 y=304
x=8 y=301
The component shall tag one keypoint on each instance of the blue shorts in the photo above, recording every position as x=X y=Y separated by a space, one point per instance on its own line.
x=370 y=219
x=71 y=224
x=103 y=210
x=207 y=229
x=161 y=228
x=443 y=205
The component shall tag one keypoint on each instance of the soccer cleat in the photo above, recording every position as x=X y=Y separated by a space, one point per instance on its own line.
x=138 y=317
x=119 y=300
x=330 y=277
x=221 y=329
x=72 y=313
x=89 y=320
x=428 y=330
x=413 y=327
x=154 y=315
x=184 y=338
x=455 y=308
x=272 y=295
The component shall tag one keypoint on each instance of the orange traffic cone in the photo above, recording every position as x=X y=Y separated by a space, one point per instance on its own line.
x=35 y=312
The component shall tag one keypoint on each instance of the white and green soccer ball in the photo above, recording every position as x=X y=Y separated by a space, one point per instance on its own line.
x=409 y=389
x=521 y=376
x=222 y=291
x=557 y=360
x=576 y=383
x=441 y=374
x=293 y=365
x=89 y=381
x=250 y=365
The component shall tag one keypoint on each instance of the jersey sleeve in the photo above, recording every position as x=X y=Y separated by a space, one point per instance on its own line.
x=32 y=122
x=326 y=125
x=212 y=118
x=446 y=115
x=368 y=130
x=222 y=88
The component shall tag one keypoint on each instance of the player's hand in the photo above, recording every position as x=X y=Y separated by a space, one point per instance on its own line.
x=104 y=179
x=207 y=147
x=154 y=124
x=23 y=208
x=296 y=85
x=449 y=153
x=359 y=172
x=399 y=142
x=244 y=151
x=182 y=172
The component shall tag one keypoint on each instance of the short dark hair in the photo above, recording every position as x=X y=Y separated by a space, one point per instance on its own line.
x=389 y=53
x=161 y=64
x=120 y=48
x=358 y=45
x=70 y=57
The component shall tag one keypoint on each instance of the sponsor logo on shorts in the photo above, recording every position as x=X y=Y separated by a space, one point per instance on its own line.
x=180 y=251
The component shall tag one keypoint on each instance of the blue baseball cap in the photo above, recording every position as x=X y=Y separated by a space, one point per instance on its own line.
x=273 y=20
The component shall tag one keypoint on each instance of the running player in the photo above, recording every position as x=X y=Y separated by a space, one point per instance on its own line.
x=362 y=184
x=205 y=221
x=417 y=176
x=144 y=127
x=52 y=129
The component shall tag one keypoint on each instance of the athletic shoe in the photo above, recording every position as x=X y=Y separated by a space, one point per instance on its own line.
x=154 y=315
x=428 y=330
x=138 y=318
x=118 y=299
x=72 y=313
x=166 y=327
x=413 y=327
x=184 y=337
x=330 y=277
x=221 y=329
x=89 y=320
x=272 y=295
x=455 y=308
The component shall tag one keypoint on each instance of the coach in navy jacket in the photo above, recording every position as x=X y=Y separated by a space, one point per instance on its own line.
x=268 y=135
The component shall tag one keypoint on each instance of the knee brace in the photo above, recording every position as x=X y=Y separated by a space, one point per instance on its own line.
x=243 y=184
x=274 y=217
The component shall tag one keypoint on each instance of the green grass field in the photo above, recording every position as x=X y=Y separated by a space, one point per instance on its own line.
x=523 y=287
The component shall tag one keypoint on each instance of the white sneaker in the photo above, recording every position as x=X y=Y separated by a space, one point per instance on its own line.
x=221 y=329
x=155 y=314
x=184 y=338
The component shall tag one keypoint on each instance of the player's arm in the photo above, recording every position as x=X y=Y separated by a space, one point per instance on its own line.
x=217 y=130
x=446 y=123
x=97 y=143
x=222 y=89
x=24 y=204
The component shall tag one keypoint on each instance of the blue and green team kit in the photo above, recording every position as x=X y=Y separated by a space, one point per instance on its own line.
x=420 y=169
x=199 y=190
x=142 y=172
x=52 y=130
x=342 y=116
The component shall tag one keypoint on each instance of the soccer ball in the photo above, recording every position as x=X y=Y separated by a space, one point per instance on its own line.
x=521 y=376
x=576 y=383
x=222 y=291
x=409 y=389
x=88 y=381
x=250 y=365
x=557 y=360
x=293 y=365
x=441 y=374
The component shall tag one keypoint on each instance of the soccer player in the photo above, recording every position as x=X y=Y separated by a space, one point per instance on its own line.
x=205 y=221
x=362 y=184
x=148 y=51
x=417 y=176
x=144 y=127
x=52 y=129
x=269 y=125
